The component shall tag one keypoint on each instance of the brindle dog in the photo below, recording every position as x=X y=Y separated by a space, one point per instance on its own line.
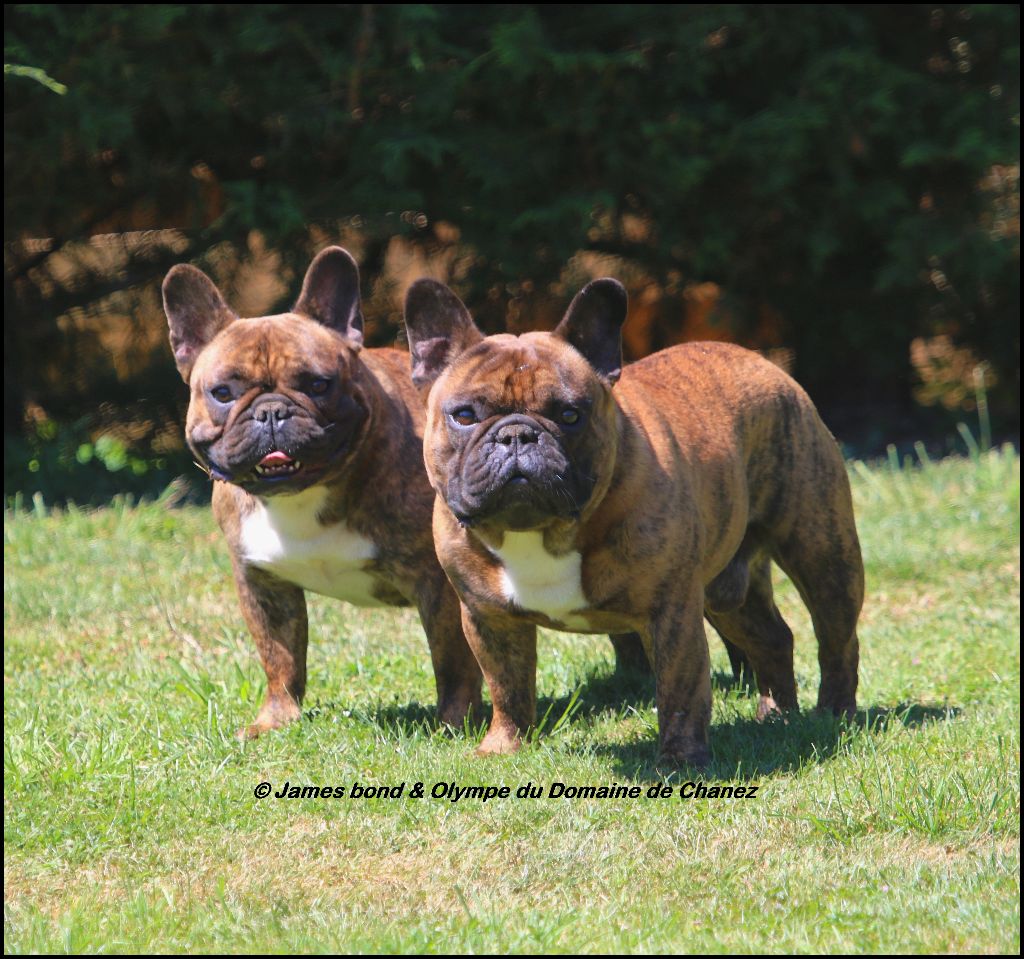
x=575 y=494
x=314 y=445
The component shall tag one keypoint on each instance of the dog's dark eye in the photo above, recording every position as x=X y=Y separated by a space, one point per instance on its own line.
x=464 y=416
x=222 y=394
x=570 y=416
x=319 y=386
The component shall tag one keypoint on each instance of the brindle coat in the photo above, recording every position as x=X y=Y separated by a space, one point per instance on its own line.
x=360 y=445
x=702 y=465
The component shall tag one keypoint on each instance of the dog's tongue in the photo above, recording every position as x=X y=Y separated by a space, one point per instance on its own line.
x=277 y=458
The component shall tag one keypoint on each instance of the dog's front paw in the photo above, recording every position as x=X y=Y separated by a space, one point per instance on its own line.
x=500 y=742
x=274 y=714
x=684 y=751
x=698 y=757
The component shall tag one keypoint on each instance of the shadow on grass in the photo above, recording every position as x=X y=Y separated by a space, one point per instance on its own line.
x=745 y=750
x=402 y=719
x=742 y=749
x=599 y=693
x=629 y=685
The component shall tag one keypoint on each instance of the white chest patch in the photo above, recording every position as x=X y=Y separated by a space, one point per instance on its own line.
x=284 y=537
x=538 y=582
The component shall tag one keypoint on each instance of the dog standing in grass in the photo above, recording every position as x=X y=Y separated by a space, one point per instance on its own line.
x=315 y=449
x=578 y=495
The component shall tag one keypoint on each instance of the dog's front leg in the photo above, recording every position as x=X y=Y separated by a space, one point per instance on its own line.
x=275 y=612
x=682 y=675
x=506 y=650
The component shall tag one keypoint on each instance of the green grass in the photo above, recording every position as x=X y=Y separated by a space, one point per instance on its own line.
x=130 y=822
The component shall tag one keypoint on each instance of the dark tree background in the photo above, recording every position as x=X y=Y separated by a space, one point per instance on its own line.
x=848 y=171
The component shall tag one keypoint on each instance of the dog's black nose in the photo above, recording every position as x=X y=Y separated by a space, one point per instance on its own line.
x=516 y=433
x=272 y=411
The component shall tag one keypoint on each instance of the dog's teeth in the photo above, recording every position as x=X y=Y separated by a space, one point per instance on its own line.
x=278 y=469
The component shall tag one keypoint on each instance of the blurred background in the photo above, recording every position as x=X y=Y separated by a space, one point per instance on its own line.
x=834 y=185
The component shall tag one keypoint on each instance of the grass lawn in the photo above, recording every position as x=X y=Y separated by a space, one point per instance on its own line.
x=130 y=821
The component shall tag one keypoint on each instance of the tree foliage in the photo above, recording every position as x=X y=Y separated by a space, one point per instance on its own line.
x=825 y=161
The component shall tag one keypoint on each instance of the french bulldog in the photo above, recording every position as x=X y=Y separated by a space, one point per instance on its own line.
x=579 y=495
x=314 y=445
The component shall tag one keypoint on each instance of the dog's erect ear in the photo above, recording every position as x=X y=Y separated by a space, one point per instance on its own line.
x=439 y=327
x=330 y=294
x=593 y=325
x=196 y=313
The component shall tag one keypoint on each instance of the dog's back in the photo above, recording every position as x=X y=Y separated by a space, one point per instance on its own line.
x=765 y=467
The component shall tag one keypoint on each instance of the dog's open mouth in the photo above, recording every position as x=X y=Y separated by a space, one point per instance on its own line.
x=277 y=464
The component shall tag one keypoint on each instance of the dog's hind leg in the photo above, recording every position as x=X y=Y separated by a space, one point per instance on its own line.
x=824 y=562
x=456 y=673
x=630 y=655
x=758 y=630
x=726 y=593
x=742 y=671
